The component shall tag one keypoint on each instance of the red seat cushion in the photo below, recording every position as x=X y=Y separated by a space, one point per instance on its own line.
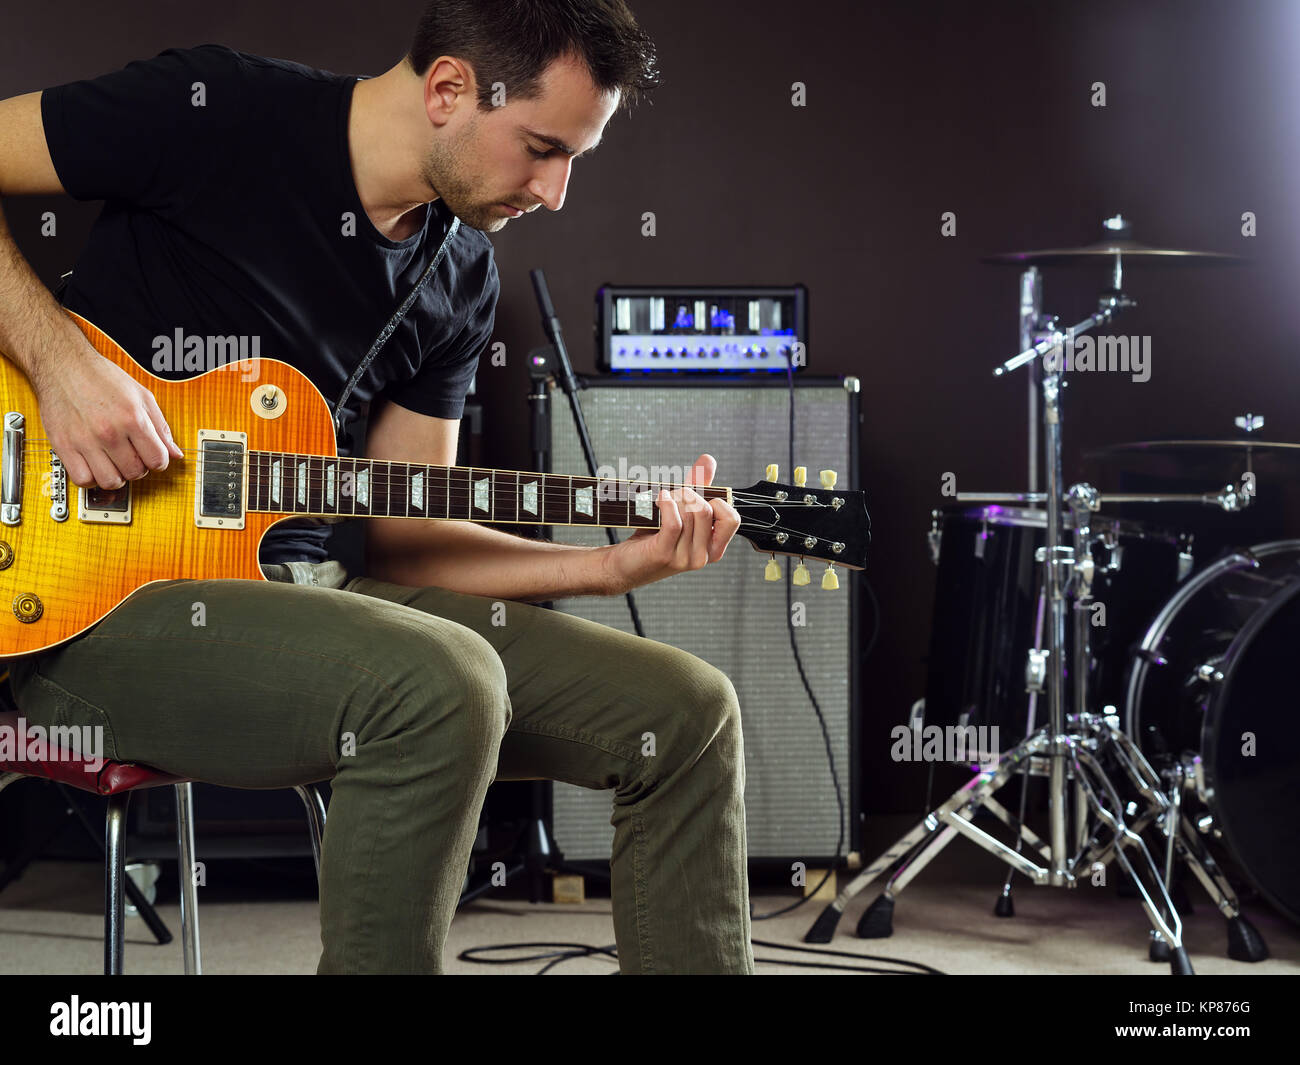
x=68 y=767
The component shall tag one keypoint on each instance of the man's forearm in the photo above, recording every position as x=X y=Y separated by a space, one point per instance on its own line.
x=465 y=557
x=31 y=321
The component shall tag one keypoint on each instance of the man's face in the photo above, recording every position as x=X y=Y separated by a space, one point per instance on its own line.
x=518 y=155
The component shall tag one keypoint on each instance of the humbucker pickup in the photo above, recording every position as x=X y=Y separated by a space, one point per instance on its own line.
x=220 y=480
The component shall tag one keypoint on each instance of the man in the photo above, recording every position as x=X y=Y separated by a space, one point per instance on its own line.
x=261 y=198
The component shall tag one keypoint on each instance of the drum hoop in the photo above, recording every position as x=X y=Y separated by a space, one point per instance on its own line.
x=1159 y=627
x=1280 y=599
x=1036 y=518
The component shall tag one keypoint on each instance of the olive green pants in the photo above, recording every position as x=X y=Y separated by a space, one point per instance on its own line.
x=412 y=701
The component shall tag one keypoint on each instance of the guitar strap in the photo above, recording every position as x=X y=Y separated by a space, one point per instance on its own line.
x=391 y=327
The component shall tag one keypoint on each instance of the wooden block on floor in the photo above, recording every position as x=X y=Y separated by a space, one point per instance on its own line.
x=567 y=888
x=828 y=890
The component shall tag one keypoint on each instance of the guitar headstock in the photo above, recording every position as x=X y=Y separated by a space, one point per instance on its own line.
x=807 y=523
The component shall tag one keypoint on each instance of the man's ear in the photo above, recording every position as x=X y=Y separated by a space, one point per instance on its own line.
x=448 y=84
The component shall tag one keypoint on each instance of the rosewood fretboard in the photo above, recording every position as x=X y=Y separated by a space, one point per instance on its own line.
x=283 y=483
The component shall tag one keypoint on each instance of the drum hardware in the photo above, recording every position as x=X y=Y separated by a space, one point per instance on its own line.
x=1074 y=746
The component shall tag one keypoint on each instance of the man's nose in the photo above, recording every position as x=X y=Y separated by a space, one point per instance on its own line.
x=551 y=186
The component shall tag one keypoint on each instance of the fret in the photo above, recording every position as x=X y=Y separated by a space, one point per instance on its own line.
x=446 y=491
x=458 y=479
x=362 y=486
x=347 y=485
x=397 y=476
x=329 y=486
x=255 y=481
x=505 y=497
x=556 y=498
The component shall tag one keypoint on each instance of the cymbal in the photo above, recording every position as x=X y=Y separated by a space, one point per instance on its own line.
x=1224 y=447
x=1126 y=249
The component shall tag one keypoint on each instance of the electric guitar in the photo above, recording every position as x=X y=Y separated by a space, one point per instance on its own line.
x=260 y=449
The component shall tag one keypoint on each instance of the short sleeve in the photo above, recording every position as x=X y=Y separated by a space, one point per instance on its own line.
x=139 y=133
x=440 y=386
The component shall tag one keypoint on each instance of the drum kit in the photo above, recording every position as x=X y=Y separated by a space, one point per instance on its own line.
x=1153 y=696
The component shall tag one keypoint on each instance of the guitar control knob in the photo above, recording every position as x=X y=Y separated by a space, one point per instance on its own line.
x=801 y=574
x=6 y=555
x=830 y=582
x=772 y=571
x=28 y=607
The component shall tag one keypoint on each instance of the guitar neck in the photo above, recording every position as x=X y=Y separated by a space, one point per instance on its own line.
x=325 y=486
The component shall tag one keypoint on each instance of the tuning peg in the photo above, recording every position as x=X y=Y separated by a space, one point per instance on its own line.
x=800 y=476
x=772 y=571
x=801 y=574
x=773 y=472
x=830 y=582
x=829 y=477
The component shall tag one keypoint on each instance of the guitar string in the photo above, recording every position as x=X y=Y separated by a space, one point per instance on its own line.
x=386 y=476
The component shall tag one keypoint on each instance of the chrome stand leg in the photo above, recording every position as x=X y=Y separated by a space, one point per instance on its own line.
x=315 y=803
x=115 y=892
x=185 y=871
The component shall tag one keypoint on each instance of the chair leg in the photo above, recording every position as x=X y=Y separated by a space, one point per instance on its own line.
x=115 y=901
x=315 y=803
x=185 y=872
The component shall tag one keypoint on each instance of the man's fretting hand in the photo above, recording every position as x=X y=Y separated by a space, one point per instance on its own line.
x=105 y=426
x=693 y=531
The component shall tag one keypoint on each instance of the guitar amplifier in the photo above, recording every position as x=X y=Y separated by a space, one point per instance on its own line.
x=727 y=613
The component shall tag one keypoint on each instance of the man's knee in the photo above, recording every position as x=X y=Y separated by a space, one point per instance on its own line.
x=698 y=700
x=447 y=685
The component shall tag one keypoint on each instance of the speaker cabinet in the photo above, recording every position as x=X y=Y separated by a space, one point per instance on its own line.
x=726 y=613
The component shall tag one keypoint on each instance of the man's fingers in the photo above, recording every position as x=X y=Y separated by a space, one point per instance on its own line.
x=77 y=468
x=725 y=523
x=162 y=432
x=702 y=471
x=104 y=471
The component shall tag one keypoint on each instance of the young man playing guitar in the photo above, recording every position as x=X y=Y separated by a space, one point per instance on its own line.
x=254 y=197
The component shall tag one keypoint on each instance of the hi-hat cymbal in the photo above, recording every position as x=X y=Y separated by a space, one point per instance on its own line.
x=1184 y=447
x=1128 y=250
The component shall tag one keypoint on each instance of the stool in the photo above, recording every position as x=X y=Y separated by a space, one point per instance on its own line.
x=117 y=780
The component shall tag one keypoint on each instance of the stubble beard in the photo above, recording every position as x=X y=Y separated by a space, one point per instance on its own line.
x=449 y=179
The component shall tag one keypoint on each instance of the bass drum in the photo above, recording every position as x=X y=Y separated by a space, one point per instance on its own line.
x=986 y=603
x=1215 y=678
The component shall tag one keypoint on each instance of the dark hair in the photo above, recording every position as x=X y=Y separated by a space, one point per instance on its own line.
x=514 y=41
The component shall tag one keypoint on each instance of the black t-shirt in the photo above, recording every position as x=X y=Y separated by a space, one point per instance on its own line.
x=230 y=211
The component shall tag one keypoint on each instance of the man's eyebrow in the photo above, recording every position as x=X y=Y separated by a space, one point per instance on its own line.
x=556 y=143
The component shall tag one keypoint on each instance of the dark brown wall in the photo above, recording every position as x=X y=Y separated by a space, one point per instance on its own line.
x=913 y=109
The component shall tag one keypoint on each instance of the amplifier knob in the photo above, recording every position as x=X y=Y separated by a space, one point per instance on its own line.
x=27 y=608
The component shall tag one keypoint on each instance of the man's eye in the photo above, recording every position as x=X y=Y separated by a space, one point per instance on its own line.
x=536 y=154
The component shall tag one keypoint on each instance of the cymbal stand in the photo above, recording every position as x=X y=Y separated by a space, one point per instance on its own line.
x=1060 y=749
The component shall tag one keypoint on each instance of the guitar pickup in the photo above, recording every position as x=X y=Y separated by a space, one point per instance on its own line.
x=100 y=506
x=220 y=481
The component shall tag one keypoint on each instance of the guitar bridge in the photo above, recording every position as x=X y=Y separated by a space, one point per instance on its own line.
x=220 y=480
